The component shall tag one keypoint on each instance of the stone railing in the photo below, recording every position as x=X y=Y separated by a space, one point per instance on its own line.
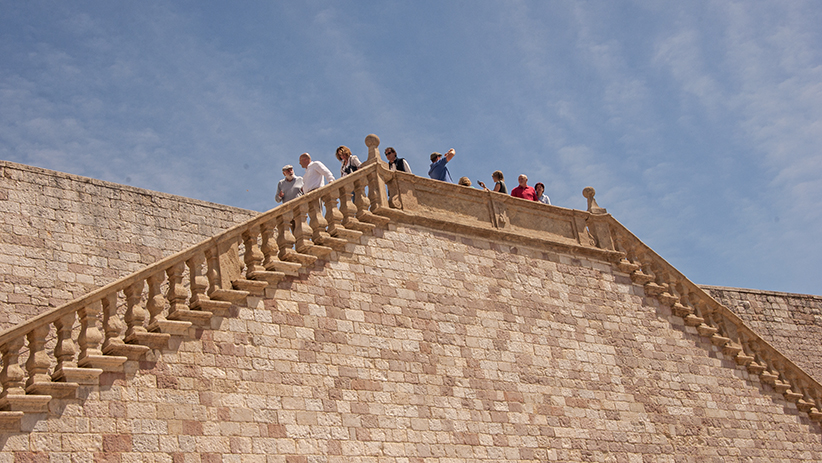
x=128 y=317
x=595 y=232
x=125 y=319
x=720 y=325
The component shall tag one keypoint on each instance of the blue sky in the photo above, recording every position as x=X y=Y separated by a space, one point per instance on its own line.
x=698 y=123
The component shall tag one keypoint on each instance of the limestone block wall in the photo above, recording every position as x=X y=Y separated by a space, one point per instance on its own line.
x=62 y=235
x=790 y=322
x=424 y=346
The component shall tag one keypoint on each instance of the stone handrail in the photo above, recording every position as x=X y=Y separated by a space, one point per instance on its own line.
x=275 y=243
x=720 y=325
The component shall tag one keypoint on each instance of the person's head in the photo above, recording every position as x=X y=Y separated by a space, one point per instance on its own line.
x=288 y=172
x=343 y=153
x=540 y=188
x=497 y=176
x=523 y=180
x=305 y=160
x=465 y=181
x=390 y=154
x=435 y=156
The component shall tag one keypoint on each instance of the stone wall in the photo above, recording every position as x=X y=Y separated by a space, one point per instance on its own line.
x=423 y=346
x=790 y=322
x=62 y=235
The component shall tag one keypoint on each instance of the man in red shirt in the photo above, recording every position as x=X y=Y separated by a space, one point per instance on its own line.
x=523 y=190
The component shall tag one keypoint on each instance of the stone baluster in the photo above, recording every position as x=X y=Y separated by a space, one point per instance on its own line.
x=64 y=350
x=681 y=308
x=156 y=301
x=198 y=281
x=38 y=362
x=744 y=357
x=213 y=270
x=112 y=325
x=656 y=286
x=626 y=262
x=376 y=191
x=253 y=256
x=668 y=296
x=364 y=205
x=90 y=336
x=347 y=207
x=780 y=384
x=135 y=313
x=720 y=338
x=285 y=239
x=757 y=366
x=319 y=224
x=794 y=393
x=333 y=215
x=12 y=375
x=642 y=275
x=811 y=403
x=176 y=293
x=704 y=312
x=692 y=317
x=269 y=248
x=361 y=200
x=769 y=374
x=302 y=231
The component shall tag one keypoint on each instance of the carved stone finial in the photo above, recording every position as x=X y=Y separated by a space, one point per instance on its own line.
x=593 y=207
x=373 y=143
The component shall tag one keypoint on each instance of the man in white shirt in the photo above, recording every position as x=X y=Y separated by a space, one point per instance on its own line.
x=315 y=173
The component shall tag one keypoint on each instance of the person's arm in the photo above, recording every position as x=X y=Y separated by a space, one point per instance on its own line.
x=407 y=167
x=279 y=196
x=329 y=177
x=497 y=187
x=450 y=155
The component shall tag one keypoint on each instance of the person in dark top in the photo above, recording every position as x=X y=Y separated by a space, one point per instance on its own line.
x=395 y=163
x=499 y=180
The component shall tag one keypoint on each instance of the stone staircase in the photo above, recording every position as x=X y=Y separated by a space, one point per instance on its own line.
x=124 y=320
x=74 y=344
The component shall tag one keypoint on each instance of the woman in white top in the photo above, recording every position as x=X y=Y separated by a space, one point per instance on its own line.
x=350 y=162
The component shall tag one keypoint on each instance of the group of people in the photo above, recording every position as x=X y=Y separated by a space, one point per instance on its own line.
x=317 y=174
x=439 y=171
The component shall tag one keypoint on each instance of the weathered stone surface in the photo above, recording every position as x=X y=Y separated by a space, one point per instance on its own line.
x=426 y=346
x=436 y=341
x=62 y=235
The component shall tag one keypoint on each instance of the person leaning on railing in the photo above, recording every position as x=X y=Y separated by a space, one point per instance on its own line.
x=315 y=173
x=499 y=185
x=350 y=162
x=395 y=163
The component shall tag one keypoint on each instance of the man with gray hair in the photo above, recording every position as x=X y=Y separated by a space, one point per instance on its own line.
x=290 y=187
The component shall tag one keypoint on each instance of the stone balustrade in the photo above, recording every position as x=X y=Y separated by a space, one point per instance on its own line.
x=725 y=330
x=124 y=320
